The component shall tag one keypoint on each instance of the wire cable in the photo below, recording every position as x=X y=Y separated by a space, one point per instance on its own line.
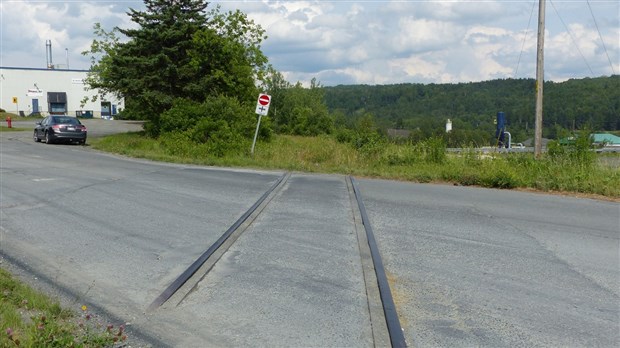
x=570 y=33
x=525 y=37
x=601 y=37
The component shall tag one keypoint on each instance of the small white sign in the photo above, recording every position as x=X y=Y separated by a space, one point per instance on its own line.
x=262 y=105
x=77 y=81
x=34 y=93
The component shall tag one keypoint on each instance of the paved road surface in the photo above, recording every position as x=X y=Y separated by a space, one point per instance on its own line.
x=475 y=267
x=468 y=266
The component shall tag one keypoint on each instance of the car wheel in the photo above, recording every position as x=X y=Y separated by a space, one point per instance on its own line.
x=47 y=138
x=36 y=138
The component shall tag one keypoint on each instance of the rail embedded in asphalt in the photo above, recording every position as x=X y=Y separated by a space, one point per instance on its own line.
x=193 y=268
x=397 y=338
x=387 y=331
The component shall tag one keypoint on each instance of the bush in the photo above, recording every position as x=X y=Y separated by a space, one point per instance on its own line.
x=221 y=125
x=369 y=144
x=578 y=153
x=183 y=115
x=218 y=136
x=434 y=150
x=344 y=135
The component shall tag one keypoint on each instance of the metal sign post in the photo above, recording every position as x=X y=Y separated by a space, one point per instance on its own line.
x=256 y=133
x=262 y=108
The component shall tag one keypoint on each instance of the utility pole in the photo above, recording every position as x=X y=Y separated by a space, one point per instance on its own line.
x=540 y=68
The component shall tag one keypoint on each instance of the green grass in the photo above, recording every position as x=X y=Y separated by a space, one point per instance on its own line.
x=4 y=125
x=12 y=129
x=30 y=319
x=421 y=162
x=15 y=117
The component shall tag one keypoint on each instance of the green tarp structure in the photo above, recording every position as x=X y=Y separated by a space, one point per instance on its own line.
x=605 y=138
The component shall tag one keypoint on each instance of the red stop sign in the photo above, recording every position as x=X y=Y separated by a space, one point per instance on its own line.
x=263 y=100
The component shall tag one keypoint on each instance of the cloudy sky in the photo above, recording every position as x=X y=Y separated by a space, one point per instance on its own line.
x=360 y=42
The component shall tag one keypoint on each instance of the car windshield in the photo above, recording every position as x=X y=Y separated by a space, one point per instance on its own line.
x=65 y=120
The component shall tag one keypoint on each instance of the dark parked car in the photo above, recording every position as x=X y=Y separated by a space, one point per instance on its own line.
x=60 y=128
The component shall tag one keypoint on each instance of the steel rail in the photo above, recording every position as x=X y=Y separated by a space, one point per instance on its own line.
x=191 y=270
x=397 y=338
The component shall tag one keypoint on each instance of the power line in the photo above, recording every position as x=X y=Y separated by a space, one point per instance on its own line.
x=525 y=37
x=570 y=33
x=601 y=37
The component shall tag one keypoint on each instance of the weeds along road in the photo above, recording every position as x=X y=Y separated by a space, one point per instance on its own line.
x=467 y=266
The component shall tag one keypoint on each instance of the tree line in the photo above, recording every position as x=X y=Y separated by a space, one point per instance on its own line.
x=571 y=105
x=194 y=75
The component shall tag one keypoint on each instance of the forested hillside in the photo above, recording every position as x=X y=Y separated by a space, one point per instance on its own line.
x=472 y=107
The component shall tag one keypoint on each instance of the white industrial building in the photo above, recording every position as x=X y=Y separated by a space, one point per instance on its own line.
x=27 y=91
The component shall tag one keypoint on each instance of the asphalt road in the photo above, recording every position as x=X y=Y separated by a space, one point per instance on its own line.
x=476 y=267
x=468 y=266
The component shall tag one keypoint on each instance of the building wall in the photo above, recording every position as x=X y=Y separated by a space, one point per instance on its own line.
x=32 y=86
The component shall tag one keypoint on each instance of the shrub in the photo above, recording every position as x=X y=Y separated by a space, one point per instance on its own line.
x=345 y=135
x=369 y=144
x=176 y=144
x=219 y=137
x=434 y=150
x=219 y=126
x=577 y=153
x=183 y=115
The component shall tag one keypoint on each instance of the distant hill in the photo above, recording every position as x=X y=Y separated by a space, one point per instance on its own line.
x=569 y=105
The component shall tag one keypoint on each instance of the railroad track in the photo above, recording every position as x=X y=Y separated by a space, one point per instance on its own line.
x=386 y=328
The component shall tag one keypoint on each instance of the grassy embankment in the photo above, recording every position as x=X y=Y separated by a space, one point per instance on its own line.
x=4 y=125
x=571 y=172
x=30 y=319
x=423 y=162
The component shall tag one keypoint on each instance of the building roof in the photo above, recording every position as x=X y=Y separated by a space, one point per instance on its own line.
x=605 y=138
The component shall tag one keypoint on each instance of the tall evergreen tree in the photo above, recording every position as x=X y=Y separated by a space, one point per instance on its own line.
x=177 y=51
x=151 y=69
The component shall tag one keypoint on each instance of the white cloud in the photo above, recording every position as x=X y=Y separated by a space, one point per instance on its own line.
x=420 y=67
x=26 y=26
x=374 y=42
x=423 y=35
